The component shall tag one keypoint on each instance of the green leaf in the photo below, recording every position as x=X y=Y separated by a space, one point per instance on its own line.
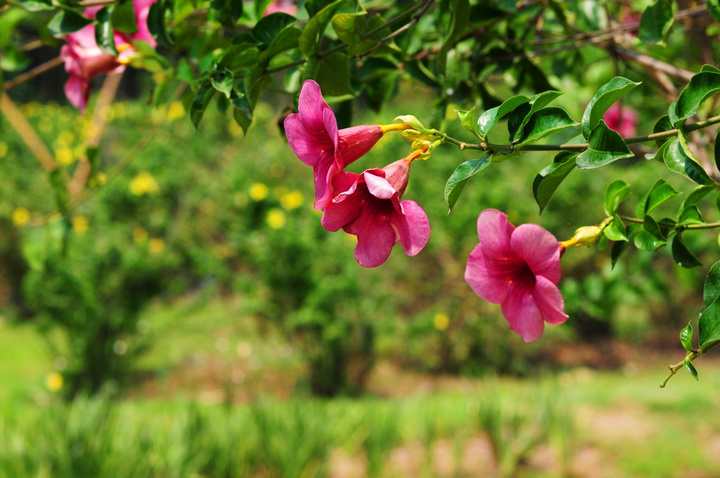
x=686 y=337
x=332 y=73
x=716 y=149
x=663 y=124
x=678 y=161
x=702 y=86
x=709 y=326
x=242 y=112
x=650 y=238
x=467 y=119
x=682 y=255
x=227 y=12
x=615 y=231
x=608 y=94
x=66 y=21
x=656 y=21
x=690 y=215
x=256 y=82
x=460 y=10
x=270 y=26
x=544 y=122
x=351 y=29
x=615 y=193
x=200 y=101
x=658 y=194
x=606 y=146
x=548 y=180
x=519 y=117
x=37 y=5
x=711 y=291
x=313 y=31
x=104 y=31
x=687 y=365
x=487 y=121
x=617 y=249
x=223 y=81
x=286 y=39
x=689 y=212
x=123 y=17
x=156 y=23
x=714 y=9
x=459 y=178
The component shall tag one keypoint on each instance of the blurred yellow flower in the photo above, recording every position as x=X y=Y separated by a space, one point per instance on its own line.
x=156 y=245
x=64 y=156
x=441 y=321
x=65 y=138
x=258 y=192
x=139 y=235
x=100 y=179
x=291 y=200
x=118 y=110
x=53 y=381
x=175 y=110
x=3 y=149
x=275 y=218
x=80 y=224
x=20 y=216
x=144 y=183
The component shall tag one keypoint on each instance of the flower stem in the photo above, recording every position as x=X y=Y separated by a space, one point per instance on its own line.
x=675 y=367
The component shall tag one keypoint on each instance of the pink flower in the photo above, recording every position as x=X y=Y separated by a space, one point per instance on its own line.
x=283 y=6
x=314 y=137
x=622 y=120
x=369 y=207
x=519 y=269
x=84 y=59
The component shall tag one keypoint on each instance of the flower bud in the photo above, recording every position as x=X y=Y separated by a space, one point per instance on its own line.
x=584 y=236
x=398 y=173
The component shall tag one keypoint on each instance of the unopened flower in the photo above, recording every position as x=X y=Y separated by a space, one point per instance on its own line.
x=622 y=120
x=314 y=137
x=518 y=268
x=369 y=207
x=282 y=6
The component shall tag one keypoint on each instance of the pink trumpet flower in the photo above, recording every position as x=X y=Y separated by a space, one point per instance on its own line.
x=369 y=207
x=314 y=137
x=518 y=268
x=84 y=60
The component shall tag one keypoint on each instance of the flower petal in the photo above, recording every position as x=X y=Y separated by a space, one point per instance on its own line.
x=539 y=249
x=494 y=232
x=376 y=239
x=412 y=226
x=549 y=301
x=77 y=92
x=347 y=206
x=522 y=313
x=311 y=103
x=488 y=281
x=378 y=185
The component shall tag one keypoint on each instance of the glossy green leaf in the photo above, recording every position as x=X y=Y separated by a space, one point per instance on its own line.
x=123 y=17
x=519 y=117
x=66 y=21
x=227 y=12
x=467 y=119
x=702 y=86
x=286 y=39
x=686 y=337
x=104 y=31
x=460 y=18
x=618 y=248
x=242 y=112
x=656 y=21
x=615 y=193
x=650 y=238
x=487 y=121
x=459 y=178
x=709 y=326
x=606 y=146
x=615 y=231
x=682 y=255
x=608 y=94
x=270 y=26
x=332 y=73
x=156 y=23
x=256 y=82
x=37 y=5
x=658 y=194
x=352 y=28
x=690 y=215
x=545 y=122
x=687 y=365
x=548 y=180
x=663 y=124
x=711 y=290
x=223 y=81
x=315 y=28
x=677 y=160
x=200 y=102
x=716 y=150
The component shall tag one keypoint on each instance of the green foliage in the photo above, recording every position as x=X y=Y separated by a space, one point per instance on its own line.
x=460 y=177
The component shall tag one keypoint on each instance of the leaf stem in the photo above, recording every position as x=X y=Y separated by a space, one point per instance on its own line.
x=675 y=367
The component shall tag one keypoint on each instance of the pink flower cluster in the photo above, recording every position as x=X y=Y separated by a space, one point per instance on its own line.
x=366 y=205
x=84 y=59
x=519 y=268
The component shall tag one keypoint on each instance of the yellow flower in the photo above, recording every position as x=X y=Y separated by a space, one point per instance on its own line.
x=3 y=149
x=80 y=224
x=258 y=192
x=20 y=216
x=139 y=235
x=175 y=110
x=275 y=218
x=291 y=200
x=65 y=138
x=53 y=381
x=144 y=183
x=441 y=321
x=64 y=156
x=156 y=245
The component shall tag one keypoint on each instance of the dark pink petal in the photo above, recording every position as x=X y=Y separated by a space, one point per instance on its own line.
x=494 y=232
x=142 y=9
x=378 y=185
x=77 y=91
x=522 y=313
x=345 y=208
x=487 y=278
x=539 y=249
x=412 y=226
x=549 y=301
x=311 y=103
x=355 y=142
x=376 y=239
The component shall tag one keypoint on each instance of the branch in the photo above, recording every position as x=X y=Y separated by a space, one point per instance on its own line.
x=32 y=73
x=27 y=133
